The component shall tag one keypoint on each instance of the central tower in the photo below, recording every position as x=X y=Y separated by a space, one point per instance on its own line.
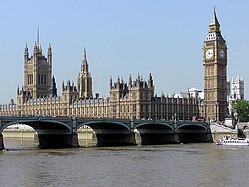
x=85 y=80
x=37 y=73
x=215 y=73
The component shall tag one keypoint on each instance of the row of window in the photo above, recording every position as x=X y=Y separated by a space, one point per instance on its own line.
x=42 y=79
x=30 y=79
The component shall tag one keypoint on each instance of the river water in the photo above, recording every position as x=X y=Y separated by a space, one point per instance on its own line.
x=181 y=165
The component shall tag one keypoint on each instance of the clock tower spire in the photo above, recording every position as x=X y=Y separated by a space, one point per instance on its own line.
x=215 y=72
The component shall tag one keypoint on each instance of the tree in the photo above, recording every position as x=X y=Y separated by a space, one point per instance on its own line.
x=241 y=107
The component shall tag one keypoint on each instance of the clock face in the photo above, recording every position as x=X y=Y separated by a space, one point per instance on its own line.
x=221 y=53
x=209 y=53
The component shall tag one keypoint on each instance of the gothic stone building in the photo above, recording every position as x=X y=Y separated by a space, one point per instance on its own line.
x=135 y=99
x=131 y=99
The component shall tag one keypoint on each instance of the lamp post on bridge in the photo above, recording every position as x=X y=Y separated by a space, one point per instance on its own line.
x=217 y=110
x=175 y=115
x=75 y=141
x=175 y=119
x=132 y=122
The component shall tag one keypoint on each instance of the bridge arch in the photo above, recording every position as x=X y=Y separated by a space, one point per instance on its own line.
x=155 y=125
x=109 y=132
x=17 y=136
x=153 y=132
x=192 y=126
x=50 y=133
x=38 y=124
x=193 y=132
x=104 y=125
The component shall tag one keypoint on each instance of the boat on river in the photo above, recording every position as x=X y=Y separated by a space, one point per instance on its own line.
x=228 y=140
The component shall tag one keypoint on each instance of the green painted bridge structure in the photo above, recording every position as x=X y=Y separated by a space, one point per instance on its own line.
x=61 y=132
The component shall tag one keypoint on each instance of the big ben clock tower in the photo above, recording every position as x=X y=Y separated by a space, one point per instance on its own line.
x=215 y=73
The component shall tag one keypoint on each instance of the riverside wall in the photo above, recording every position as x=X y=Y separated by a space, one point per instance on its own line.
x=218 y=131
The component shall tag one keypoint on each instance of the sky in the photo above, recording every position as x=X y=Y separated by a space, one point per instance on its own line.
x=161 y=37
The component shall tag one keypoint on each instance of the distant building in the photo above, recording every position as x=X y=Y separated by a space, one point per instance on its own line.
x=190 y=93
x=235 y=90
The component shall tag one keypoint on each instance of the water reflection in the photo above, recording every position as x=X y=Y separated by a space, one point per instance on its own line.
x=19 y=141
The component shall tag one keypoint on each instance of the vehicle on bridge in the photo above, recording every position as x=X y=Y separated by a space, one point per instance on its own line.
x=198 y=118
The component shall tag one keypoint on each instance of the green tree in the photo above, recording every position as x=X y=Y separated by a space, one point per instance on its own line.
x=241 y=107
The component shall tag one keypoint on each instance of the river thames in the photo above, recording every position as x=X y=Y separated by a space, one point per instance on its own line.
x=181 y=165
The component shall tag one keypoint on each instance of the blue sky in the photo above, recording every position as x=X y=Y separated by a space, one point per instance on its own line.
x=162 y=37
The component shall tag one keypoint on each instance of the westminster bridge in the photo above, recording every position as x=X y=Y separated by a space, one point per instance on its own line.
x=61 y=132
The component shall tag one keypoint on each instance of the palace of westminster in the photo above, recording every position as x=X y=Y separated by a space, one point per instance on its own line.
x=131 y=99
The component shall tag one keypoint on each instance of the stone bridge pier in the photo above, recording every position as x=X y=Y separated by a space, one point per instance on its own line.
x=1 y=142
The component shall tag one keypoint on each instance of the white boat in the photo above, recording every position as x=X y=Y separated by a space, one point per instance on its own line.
x=227 y=140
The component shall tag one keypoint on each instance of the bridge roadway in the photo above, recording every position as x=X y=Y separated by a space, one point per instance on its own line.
x=61 y=132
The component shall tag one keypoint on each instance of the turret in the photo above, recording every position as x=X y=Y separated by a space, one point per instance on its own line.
x=130 y=81
x=84 y=66
x=49 y=56
x=40 y=49
x=26 y=54
x=110 y=82
x=53 y=89
x=118 y=80
x=18 y=90
x=35 y=49
x=138 y=81
x=63 y=86
x=68 y=83
x=150 y=81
